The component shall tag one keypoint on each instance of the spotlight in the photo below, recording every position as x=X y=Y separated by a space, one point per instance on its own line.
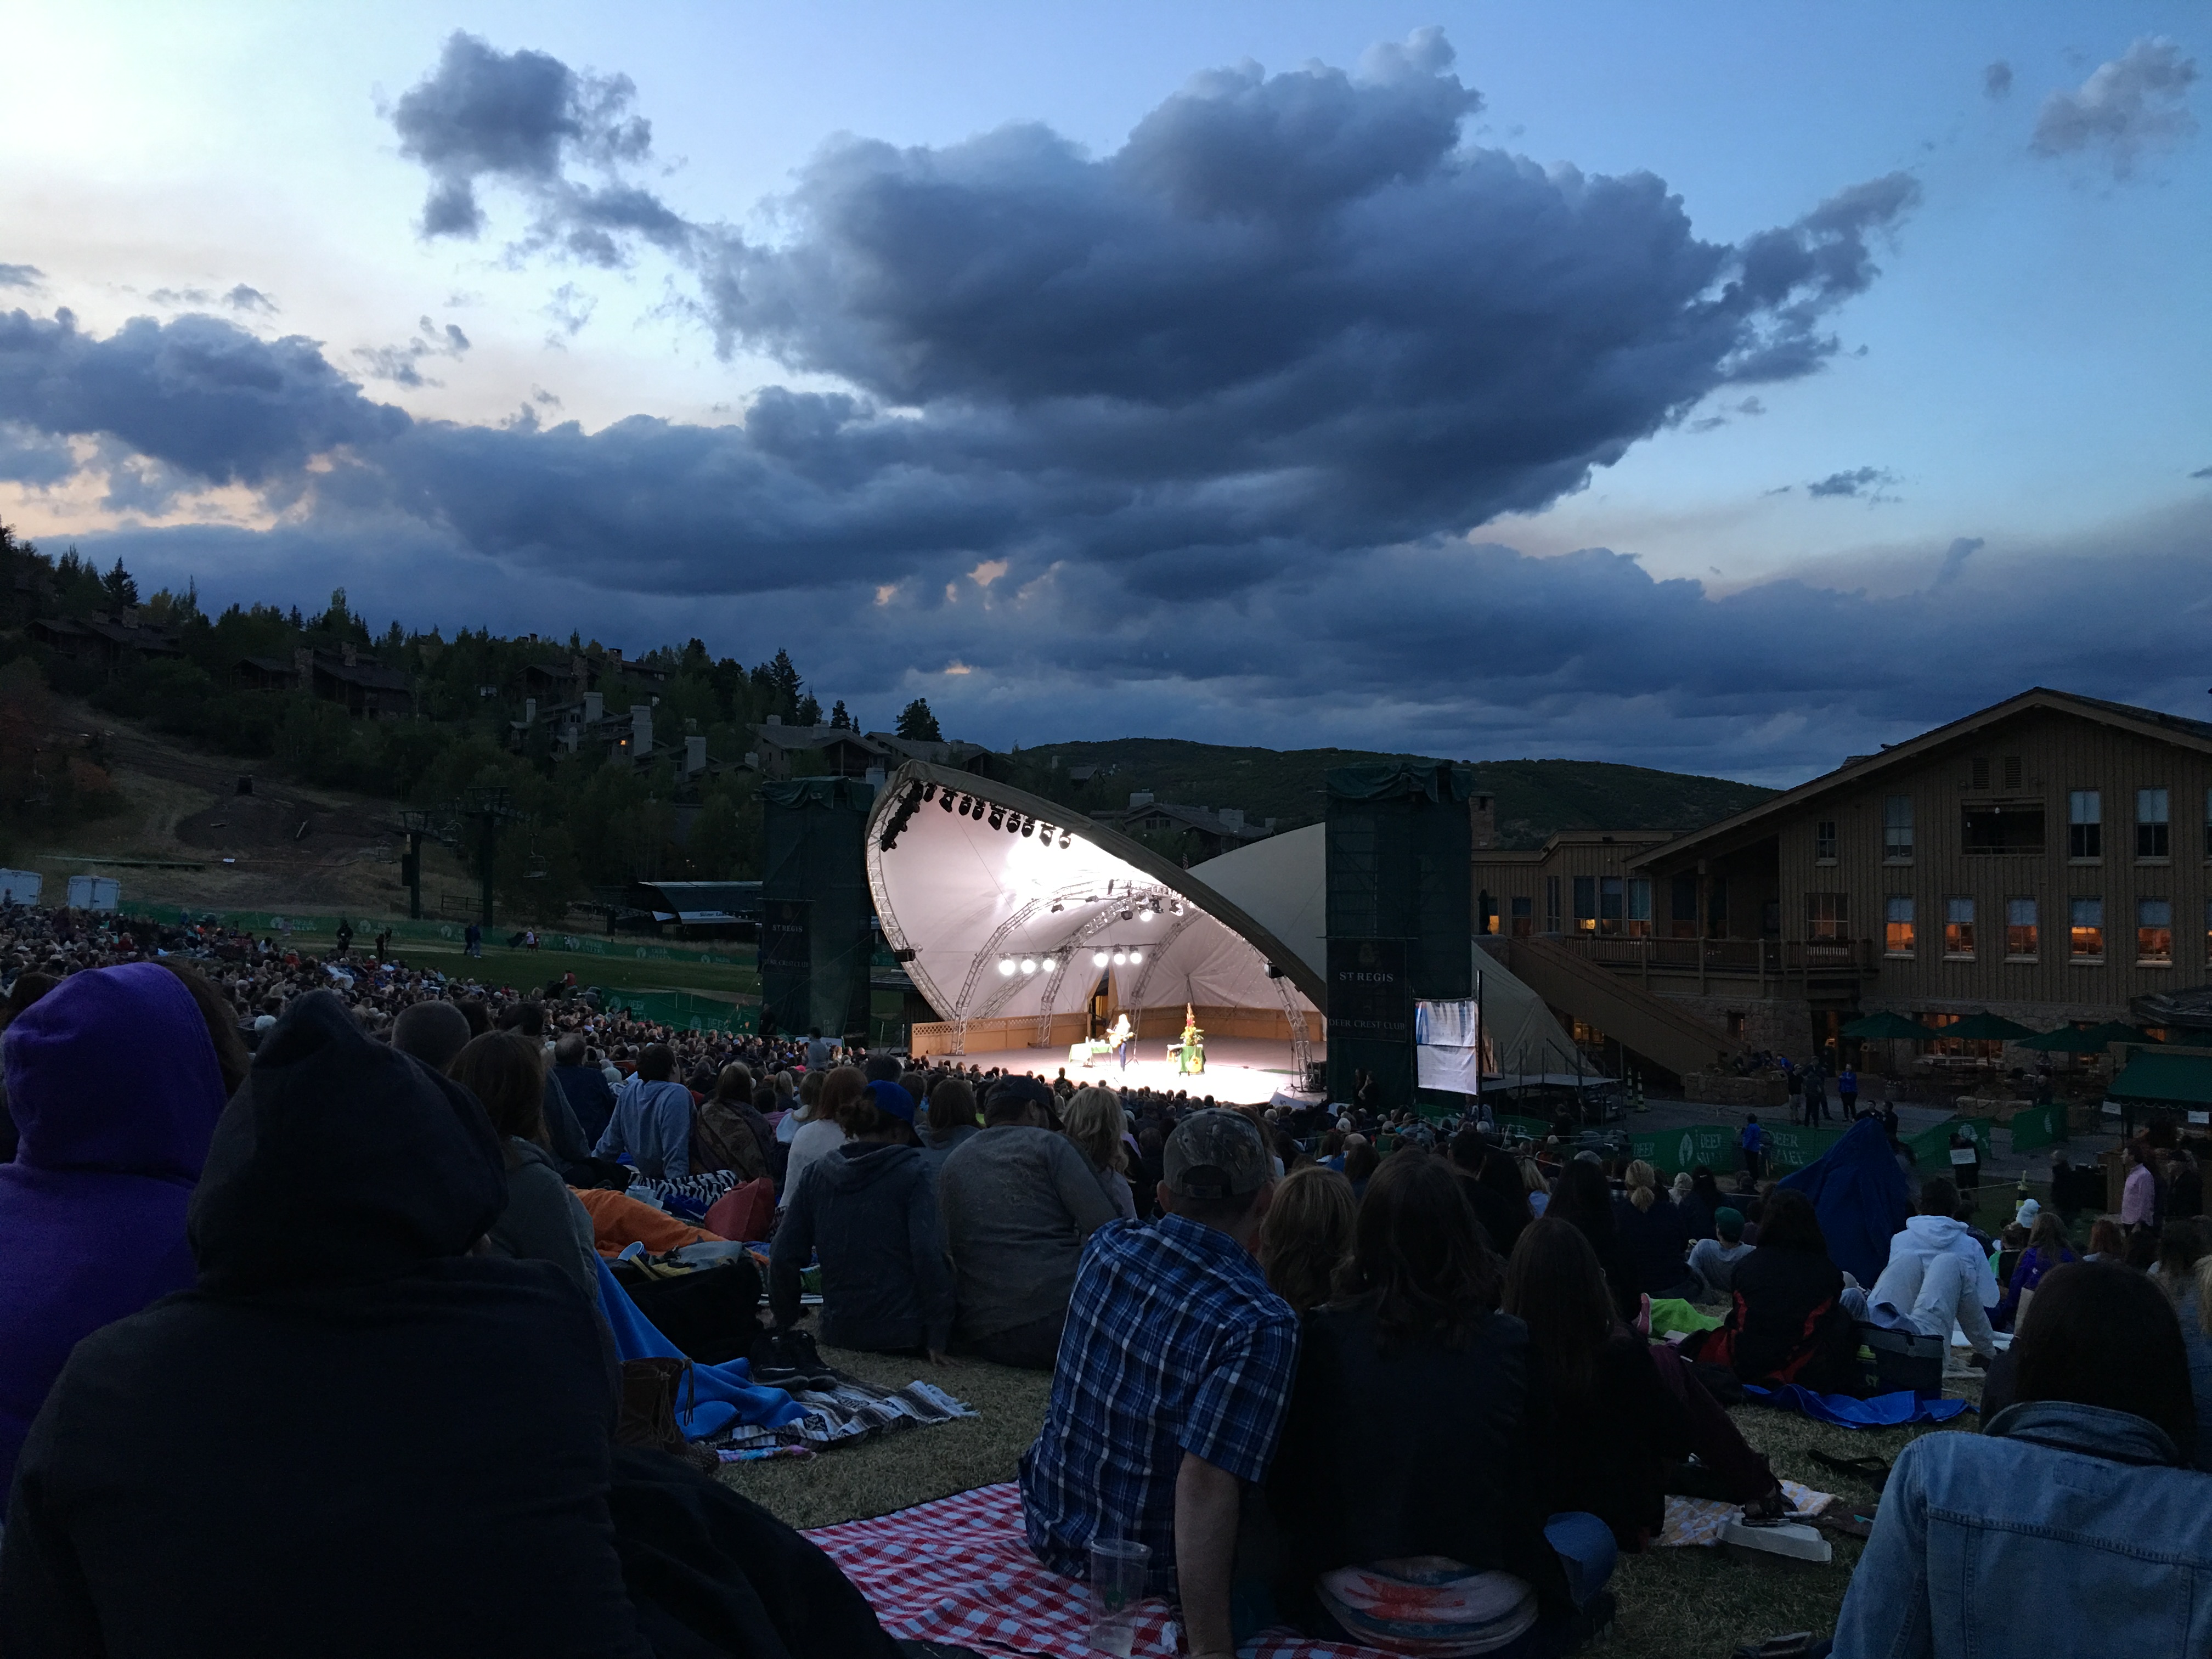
x=1136 y=956
x=1057 y=907
x=1005 y=965
x=1146 y=915
x=929 y=791
x=1028 y=964
x=1063 y=838
x=1121 y=956
x=1100 y=959
x=1128 y=916
x=945 y=800
x=1029 y=826
x=998 y=817
x=970 y=807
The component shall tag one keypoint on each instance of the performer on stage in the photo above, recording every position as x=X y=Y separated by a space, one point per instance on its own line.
x=1123 y=1039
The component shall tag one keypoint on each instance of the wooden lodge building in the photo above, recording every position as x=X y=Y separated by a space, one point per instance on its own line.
x=2046 y=858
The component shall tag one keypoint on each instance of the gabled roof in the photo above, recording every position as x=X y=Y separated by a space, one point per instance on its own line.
x=2126 y=717
x=815 y=737
x=1194 y=817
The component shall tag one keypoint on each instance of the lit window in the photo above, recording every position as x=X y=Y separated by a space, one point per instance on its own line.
x=1639 y=907
x=2086 y=930
x=2152 y=823
x=1897 y=925
x=1896 y=827
x=1827 y=917
x=2085 y=824
x=2022 y=936
x=2155 y=932
x=1958 y=927
x=1823 y=840
x=1585 y=904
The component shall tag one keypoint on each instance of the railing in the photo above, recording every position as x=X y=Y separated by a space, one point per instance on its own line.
x=1732 y=958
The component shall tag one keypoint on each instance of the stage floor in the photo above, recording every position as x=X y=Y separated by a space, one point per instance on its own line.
x=1239 y=1070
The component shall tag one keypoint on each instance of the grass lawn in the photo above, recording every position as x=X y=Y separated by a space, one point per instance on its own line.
x=527 y=968
x=1674 y=1603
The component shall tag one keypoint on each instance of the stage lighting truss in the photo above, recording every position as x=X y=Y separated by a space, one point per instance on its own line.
x=1117 y=956
x=901 y=817
x=1029 y=964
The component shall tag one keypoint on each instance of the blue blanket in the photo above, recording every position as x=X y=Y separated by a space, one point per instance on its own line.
x=1883 y=1411
x=713 y=1396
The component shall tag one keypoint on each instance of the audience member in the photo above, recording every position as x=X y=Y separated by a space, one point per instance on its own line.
x=726 y=1132
x=951 y=1118
x=1094 y=1124
x=1937 y=1277
x=543 y=1220
x=1018 y=1201
x=2106 y=1241
x=1657 y=1236
x=1306 y=1236
x=651 y=1127
x=824 y=1130
x=1786 y=1320
x=2046 y=1249
x=870 y=1209
x=1428 y=1542
x=590 y=1098
x=1581 y=1199
x=2074 y=1523
x=1713 y=1259
x=433 y=1032
x=116 y=1077
x=1172 y=1383
x=1492 y=1183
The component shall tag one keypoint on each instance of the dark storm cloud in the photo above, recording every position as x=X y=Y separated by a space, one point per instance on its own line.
x=30 y=457
x=21 y=276
x=522 y=118
x=2138 y=102
x=198 y=393
x=1865 y=482
x=1954 y=559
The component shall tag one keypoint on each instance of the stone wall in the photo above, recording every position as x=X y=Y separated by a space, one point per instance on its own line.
x=1769 y=1024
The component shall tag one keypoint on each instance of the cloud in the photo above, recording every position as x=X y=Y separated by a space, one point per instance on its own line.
x=2202 y=472
x=400 y=364
x=33 y=457
x=252 y=301
x=522 y=118
x=180 y=296
x=1866 y=482
x=21 y=276
x=2137 y=103
x=1997 y=80
x=1956 y=557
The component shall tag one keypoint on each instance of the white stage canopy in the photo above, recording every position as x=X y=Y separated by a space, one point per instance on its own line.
x=1005 y=907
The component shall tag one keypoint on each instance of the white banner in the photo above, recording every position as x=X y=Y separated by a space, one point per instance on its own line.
x=1448 y=1046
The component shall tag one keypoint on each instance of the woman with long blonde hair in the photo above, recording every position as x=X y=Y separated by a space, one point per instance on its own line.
x=1658 y=1236
x=1094 y=1120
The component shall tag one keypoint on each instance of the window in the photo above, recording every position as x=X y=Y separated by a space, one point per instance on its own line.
x=1897 y=828
x=1682 y=907
x=1897 y=925
x=1827 y=917
x=2085 y=824
x=1824 y=841
x=2155 y=932
x=1980 y=779
x=1991 y=831
x=1585 y=904
x=1523 y=920
x=1717 y=906
x=2086 y=929
x=1609 y=904
x=2152 y=823
x=2013 y=771
x=2023 y=937
x=1959 y=928
x=1639 y=907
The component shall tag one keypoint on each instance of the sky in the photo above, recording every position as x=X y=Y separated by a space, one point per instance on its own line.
x=1723 y=388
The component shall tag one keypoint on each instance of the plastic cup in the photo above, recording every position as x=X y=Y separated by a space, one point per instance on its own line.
x=1118 y=1569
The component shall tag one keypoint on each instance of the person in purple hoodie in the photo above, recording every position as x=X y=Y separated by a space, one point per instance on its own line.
x=115 y=1079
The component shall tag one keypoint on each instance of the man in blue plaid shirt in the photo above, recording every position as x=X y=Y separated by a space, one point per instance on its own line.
x=1175 y=1370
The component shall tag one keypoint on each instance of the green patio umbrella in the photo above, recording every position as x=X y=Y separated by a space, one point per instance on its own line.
x=2072 y=1039
x=1986 y=1027
x=1885 y=1027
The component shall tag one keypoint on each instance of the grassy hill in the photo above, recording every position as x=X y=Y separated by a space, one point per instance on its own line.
x=1534 y=797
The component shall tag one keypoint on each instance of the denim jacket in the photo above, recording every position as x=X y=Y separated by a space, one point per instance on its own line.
x=2061 y=1530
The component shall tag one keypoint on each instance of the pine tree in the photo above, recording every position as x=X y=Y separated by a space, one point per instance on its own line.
x=839 y=721
x=120 y=586
x=917 y=725
x=783 y=685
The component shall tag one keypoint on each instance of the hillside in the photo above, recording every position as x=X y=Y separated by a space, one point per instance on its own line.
x=1534 y=797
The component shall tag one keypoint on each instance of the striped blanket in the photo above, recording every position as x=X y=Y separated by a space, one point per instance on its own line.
x=850 y=1411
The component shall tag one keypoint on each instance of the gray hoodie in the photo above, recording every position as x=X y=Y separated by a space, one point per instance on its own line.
x=870 y=1212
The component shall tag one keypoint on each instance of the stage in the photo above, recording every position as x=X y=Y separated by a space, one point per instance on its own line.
x=1239 y=1070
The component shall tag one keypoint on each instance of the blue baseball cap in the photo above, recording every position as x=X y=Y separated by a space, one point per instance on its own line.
x=892 y=1101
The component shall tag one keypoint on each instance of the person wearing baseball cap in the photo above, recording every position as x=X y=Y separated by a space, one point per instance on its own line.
x=1173 y=1375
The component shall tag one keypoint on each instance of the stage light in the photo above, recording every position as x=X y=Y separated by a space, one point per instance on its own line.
x=1136 y=956
x=1005 y=965
x=1145 y=915
x=1063 y=839
x=1029 y=826
x=945 y=800
x=1121 y=956
x=929 y=791
x=998 y=817
x=1101 y=958
x=1057 y=907
x=1028 y=964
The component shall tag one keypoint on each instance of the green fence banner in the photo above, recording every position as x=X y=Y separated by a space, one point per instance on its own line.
x=684 y=1010
x=1670 y=1151
x=2040 y=1126
x=1931 y=1148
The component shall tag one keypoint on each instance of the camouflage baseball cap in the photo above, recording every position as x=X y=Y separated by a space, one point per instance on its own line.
x=1215 y=1154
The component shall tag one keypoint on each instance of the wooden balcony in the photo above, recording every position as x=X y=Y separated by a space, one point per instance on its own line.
x=1767 y=967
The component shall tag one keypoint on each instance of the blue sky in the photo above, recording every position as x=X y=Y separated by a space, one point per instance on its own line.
x=1391 y=392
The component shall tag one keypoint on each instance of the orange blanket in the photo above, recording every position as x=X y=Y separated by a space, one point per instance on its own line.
x=619 y=1221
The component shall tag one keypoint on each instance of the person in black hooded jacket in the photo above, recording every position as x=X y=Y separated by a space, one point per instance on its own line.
x=354 y=1435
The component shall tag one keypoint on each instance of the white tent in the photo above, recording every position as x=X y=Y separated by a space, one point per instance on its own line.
x=1006 y=908
x=1282 y=882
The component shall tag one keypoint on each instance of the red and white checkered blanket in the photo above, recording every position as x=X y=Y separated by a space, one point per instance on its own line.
x=960 y=1571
